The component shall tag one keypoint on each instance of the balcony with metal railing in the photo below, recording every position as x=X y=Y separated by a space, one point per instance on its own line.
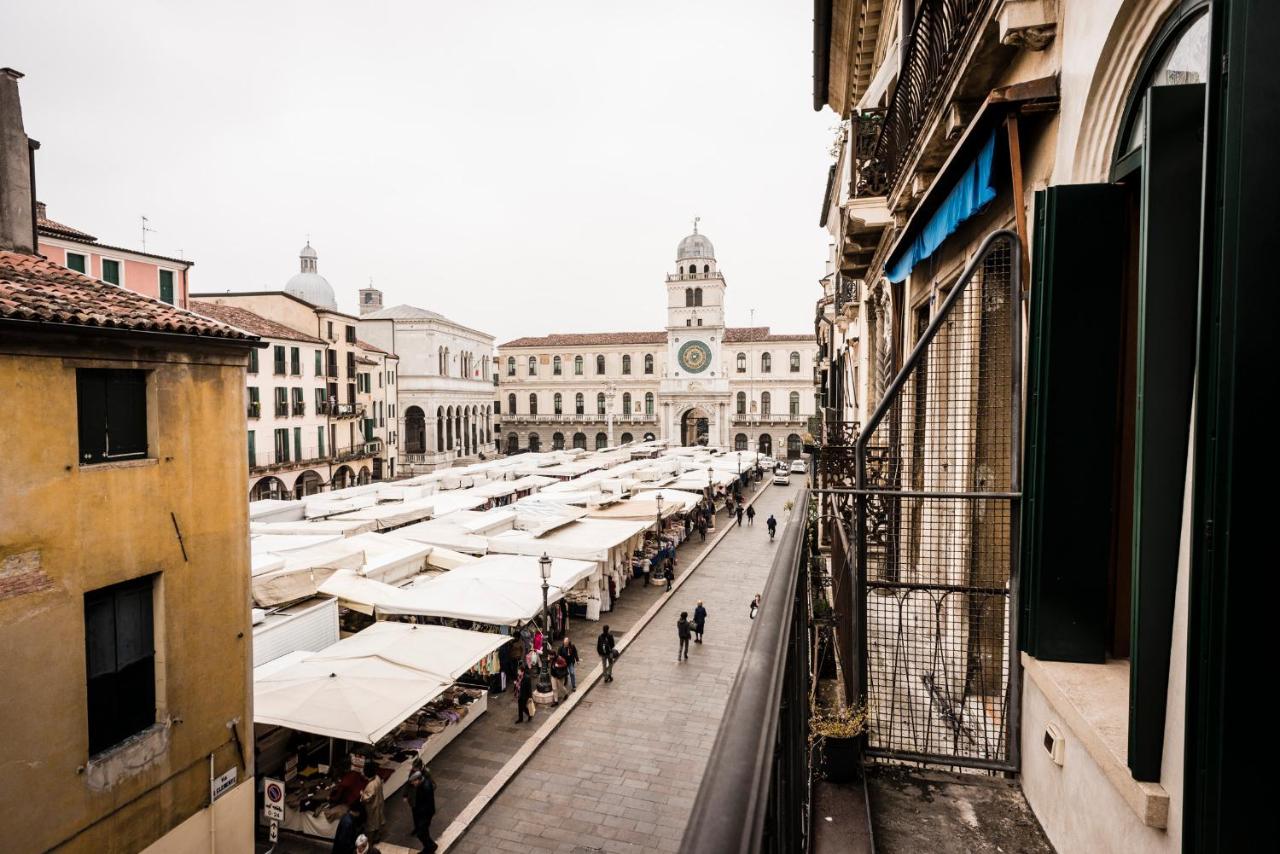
x=341 y=410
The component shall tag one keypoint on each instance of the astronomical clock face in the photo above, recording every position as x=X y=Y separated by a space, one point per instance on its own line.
x=694 y=357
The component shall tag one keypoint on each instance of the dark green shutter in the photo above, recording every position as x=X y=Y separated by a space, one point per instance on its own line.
x=1072 y=377
x=1169 y=282
x=253 y=454
x=91 y=412
x=75 y=261
x=166 y=286
x=110 y=271
x=297 y=443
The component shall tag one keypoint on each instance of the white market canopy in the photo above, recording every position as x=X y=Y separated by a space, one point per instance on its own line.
x=681 y=499
x=275 y=510
x=312 y=526
x=565 y=573
x=444 y=532
x=459 y=595
x=437 y=650
x=640 y=509
x=584 y=539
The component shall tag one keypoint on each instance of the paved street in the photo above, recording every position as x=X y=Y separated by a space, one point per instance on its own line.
x=622 y=772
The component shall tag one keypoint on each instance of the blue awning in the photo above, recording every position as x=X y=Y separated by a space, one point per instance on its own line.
x=972 y=190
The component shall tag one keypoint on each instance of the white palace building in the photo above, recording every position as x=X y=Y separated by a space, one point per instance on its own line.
x=697 y=381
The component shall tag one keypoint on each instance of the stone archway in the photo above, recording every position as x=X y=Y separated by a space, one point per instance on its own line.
x=269 y=487
x=308 y=483
x=695 y=427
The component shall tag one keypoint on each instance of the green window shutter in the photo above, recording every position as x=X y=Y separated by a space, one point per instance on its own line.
x=1169 y=275
x=320 y=442
x=76 y=262
x=166 y=286
x=1076 y=296
x=319 y=362
x=253 y=454
x=253 y=361
x=110 y=271
x=297 y=443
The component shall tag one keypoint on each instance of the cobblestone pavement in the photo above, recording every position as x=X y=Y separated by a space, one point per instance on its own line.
x=621 y=774
x=464 y=767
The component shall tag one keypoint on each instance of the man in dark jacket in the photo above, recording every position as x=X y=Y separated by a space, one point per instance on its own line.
x=422 y=806
x=569 y=653
x=349 y=828
x=684 y=631
x=605 y=647
x=523 y=689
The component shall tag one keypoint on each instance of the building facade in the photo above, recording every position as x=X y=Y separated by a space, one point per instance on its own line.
x=1026 y=243
x=318 y=411
x=444 y=383
x=696 y=382
x=165 y=279
x=124 y=567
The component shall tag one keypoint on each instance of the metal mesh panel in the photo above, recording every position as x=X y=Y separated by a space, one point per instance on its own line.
x=938 y=482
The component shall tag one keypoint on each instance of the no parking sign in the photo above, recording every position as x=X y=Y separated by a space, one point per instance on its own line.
x=273 y=799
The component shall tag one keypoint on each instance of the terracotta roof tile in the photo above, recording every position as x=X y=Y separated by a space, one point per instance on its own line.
x=732 y=335
x=365 y=345
x=251 y=322
x=53 y=228
x=38 y=290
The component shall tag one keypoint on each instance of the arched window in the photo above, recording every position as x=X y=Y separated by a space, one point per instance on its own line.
x=626 y=403
x=766 y=363
x=415 y=431
x=740 y=442
x=578 y=404
x=795 y=363
x=765 y=444
x=448 y=429
x=742 y=363
x=513 y=443
x=511 y=367
x=706 y=268
x=511 y=404
x=533 y=404
x=648 y=363
x=648 y=403
x=688 y=295
x=765 y=408
x=602 y=441
x=533 y=366
x=600 y=403
x=440 y=428
x=697 y=296
x=577 y=365
x=556 y=403
x=557 y=441
x=580 y=440
x=599 y=364
x=556 y=366
x=742 y=403
x=534 y=442
x=794 y=447
x=626 y=438
x=793 y=403
x=626 y=364
x=649 y=437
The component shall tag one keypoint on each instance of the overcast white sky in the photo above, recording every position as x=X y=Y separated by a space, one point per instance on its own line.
x=521 y=167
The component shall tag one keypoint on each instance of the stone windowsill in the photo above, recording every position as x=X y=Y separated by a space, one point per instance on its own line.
x=121 y=464
x=1093 y=702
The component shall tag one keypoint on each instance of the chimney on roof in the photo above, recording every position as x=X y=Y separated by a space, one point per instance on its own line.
x=17 y=153
x=42 y=212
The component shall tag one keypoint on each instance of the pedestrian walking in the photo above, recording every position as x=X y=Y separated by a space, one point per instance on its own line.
x=670 y=573
x=422 y=806
x=702 y=531
x=570 y=655
x=772 y=524
x=755 y=606
x=559 y=679
x=751 y=515
x=522 y=688
x=374 y=800
x=606 y=647
x=684 y=631
x=699 y=621
x=739 y=514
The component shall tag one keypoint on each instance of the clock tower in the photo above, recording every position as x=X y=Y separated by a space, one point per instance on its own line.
x=695 y=386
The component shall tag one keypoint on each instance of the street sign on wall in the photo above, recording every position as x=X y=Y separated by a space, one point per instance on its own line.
x=222 y=784
x=273 y=799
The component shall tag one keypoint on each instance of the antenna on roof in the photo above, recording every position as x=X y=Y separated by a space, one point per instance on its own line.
x=146 y=228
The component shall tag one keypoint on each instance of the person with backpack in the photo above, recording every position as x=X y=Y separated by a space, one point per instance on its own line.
x=607 y=649
x=559 y=676
x=684 y=631
x=751 y=515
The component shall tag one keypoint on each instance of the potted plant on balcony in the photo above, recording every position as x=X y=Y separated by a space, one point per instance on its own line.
x=840 y=735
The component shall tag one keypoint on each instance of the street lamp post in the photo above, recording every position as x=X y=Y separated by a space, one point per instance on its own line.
x=544 y=676
x=663 y=563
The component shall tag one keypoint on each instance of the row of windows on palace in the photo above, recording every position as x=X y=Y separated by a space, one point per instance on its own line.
x=579 y=403
x=557 y=364
x=323 y=368
x=466 y=428
x=741 y=442
x=326 y=401
x=295 y=451
x=466 y=361
x=113 y=273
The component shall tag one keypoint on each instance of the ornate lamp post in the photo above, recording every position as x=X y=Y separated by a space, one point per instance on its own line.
x=659 y=500
x=544 y=675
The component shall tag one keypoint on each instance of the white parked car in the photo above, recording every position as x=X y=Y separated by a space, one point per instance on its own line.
x=781 y=476
x=798 y=467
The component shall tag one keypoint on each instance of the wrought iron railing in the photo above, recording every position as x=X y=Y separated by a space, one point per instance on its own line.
x=755 y=793
x=941 y=29
x=868 y=176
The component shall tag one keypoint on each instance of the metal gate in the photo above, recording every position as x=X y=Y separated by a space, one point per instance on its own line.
x=936 y=529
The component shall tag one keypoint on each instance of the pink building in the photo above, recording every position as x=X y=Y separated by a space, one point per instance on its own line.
x=152 y=275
